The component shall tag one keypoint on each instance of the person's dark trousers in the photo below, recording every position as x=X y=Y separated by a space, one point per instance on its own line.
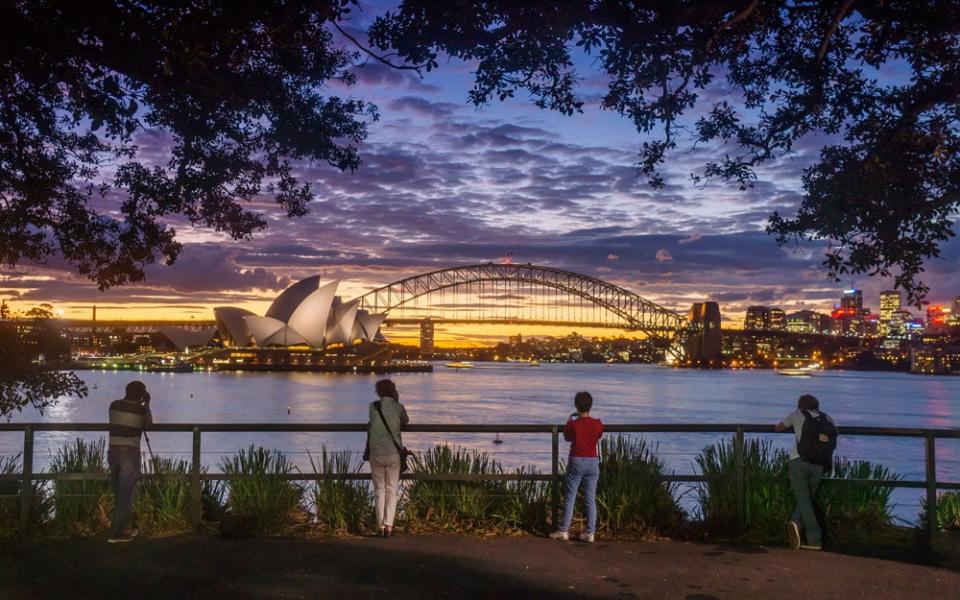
x=124 y=474
x=805 y=480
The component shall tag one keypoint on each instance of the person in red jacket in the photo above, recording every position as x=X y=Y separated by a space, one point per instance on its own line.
x=583 y=432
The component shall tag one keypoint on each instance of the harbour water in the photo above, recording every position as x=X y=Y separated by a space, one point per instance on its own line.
x=518 y=393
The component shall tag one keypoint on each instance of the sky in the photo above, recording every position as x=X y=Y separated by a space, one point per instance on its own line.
x=444 y=183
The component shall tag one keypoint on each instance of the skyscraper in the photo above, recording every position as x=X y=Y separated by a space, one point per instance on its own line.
x=889 y=303
x=777 y=320
x=852 y=299
x=426 y=337
x=758 y=318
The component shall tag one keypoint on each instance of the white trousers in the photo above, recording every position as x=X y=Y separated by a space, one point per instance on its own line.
x=385 y=471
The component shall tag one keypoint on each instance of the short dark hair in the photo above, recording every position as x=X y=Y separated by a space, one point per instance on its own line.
x=386 y=388
x=583 y=401
x=808 y=402
x=135 y=391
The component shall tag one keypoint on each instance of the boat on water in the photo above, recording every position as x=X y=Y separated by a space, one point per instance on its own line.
x=179 y=367
x=534 y=363
x=800 y=372
x=459 y=364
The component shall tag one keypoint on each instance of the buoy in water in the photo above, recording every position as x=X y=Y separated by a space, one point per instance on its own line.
x=497 y=439
x=288 y=410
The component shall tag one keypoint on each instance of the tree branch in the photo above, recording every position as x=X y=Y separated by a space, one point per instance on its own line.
x=375 y=56
x=841 y=13
x=743 y=14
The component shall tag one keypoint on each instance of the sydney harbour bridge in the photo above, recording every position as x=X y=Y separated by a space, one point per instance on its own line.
x=514 y=294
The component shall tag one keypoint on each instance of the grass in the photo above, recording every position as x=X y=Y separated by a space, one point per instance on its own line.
x=262 y=495
x=81 y=506
x=10 y=501
x=768 y=500
x=632 y=496
x=163 y=502
x=339 y=505
x=948 y=512
x=471 y=505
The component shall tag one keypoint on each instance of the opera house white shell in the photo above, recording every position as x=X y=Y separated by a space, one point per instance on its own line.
x=306 y=313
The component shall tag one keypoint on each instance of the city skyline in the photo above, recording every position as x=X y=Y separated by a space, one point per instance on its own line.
x=444 y=183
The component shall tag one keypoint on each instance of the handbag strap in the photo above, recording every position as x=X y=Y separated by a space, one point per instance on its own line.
x=378 y=406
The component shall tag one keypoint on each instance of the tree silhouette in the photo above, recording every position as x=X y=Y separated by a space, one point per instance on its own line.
x=878 y=75
x=234 y=88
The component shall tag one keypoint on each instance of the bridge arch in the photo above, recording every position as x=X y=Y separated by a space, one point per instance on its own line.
x=637 y=313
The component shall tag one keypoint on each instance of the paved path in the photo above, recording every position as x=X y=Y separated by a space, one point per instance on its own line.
x=449 y=566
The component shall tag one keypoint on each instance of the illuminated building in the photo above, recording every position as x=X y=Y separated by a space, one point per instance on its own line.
x=808 y=321
x=757 y=318
x=937 y=317
x=305 y=314
x=936 y=361
x=777 y=320
x=426 y=337
x=890 y=303
x=852 y=299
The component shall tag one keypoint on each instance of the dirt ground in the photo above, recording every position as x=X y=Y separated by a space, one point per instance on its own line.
x=448 y=566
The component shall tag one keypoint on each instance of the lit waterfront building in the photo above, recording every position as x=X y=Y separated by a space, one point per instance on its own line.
x=305 y=314
x=890 y=302
x=426 y=337
x=808 y=321
x=937 y=317
x=765 y=318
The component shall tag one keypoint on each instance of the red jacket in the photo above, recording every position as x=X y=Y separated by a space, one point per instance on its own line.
x=583 y=435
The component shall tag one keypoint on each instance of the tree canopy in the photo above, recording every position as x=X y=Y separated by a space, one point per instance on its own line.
x=235 y=87
x=878 y=75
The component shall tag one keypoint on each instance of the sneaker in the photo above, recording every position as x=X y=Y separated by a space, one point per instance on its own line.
x=559 y=535
x=387 y=532
x=123 y=538
x=793 y=535
x=586 y=537
x=812 y=547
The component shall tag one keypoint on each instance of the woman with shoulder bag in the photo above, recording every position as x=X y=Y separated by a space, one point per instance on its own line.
x=386 y=452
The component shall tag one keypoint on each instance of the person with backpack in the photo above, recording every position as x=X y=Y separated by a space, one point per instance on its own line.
x=385 y=452
x=815 y=439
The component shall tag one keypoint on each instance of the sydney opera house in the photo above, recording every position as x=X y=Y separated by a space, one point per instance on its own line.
x=306 y=326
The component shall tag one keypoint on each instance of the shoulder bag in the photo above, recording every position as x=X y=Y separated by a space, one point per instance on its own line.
x=404 y=453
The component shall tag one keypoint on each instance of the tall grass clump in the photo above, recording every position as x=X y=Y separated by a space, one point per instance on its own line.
x=10 y=490
x=82 y=505
x=260 y=494
x=851 y=509
x=632 y=496
x=340 y=505
x=471 y=505
x=768 y=500
x=163 y=504
x=948 y=511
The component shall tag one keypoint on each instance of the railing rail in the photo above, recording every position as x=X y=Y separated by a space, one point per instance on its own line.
x=197 y=476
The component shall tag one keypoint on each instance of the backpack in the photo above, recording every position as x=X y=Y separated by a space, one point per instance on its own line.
x=810 y=448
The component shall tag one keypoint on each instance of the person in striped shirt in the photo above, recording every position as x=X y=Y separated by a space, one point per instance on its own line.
x=128 y=418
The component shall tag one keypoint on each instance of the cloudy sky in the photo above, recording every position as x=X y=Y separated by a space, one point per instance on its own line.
x=445 y=183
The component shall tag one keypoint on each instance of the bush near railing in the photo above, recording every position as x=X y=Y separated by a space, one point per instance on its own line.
x=948 y=511
x=633 y=498
x=848 y=512
x=471 y=505
x=339 y=505
x=10 y=498
x=261 y=500
x=82 y=506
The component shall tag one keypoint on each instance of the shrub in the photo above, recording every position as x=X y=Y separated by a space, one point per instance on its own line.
x=10 y=504
x=768 y=500
x=483 y=504
x=262 y=494
x=163 y=504
x=339 y=504
x=81 y=505
x=632 y=496
x=948 y=511
x=851 y=508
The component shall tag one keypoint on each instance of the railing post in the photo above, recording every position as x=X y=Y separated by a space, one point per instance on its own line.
x=931 y=460
x=555 y=479
x=738 y=457
x=26 y=491
x=196 y=487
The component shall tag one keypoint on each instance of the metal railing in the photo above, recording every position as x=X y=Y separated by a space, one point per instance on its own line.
x=197 y=475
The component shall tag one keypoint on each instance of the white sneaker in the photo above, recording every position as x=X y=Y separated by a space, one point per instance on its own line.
x=559 y=535
x=586 y=537
x=793 y=535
